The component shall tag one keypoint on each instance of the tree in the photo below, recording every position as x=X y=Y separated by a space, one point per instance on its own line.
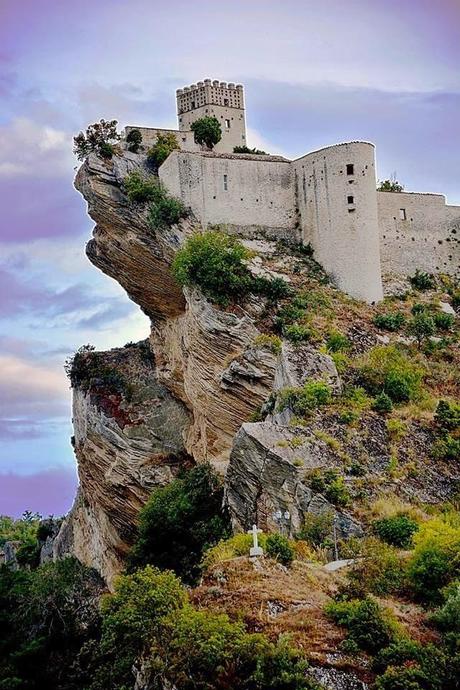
x=421 y=327
x=390 y=186
x=165 y=144
x=134 y=140
x=99 y=138
x=207 y=131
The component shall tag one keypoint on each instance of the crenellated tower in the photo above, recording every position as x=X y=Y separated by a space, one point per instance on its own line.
x=219 y=99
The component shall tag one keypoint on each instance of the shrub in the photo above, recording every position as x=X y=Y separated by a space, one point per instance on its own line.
x=98 y=138
x=390 y=322
x=421 y=327
x=410 y=678
x=274 y=289
x=379 y=569
x=269 y=342
x=382 y=403
x=179 y=521
x=369 y=626
x=447 y=448
x=447 y=415
x=422 y=281
x=317 y=529
x=435 y=560
x=387 y=368
x=297 y=333
x=140 y=189
x=246 y=149
x=443 y=322
x=337 y=342
x=278 y=547
x=166 y=211
x=302 y=401
x=164 y=145
x=332 y=485
x=418 y=308
x=233 y=547
x=390 y=186
x=447 y=617
x=134 y=140
x=214 y=262
x=397 y=530
x=207 y=131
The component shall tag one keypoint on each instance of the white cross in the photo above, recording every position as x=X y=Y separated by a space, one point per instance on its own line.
x=255 y=550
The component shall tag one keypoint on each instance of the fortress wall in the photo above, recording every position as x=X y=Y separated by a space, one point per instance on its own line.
x=231 y=121
x=246 y=193
x=418 y=231
x=343 y=231
x=149 y=137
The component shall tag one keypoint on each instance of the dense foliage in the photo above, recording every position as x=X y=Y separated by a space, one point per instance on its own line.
x=134 y=140
x=390 y=186
x=99 y=138
x=180 y=521
x=246 y=149
x=165 y=144
x=207 y=131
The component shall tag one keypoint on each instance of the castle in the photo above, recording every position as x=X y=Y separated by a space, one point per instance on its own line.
x=327 y=198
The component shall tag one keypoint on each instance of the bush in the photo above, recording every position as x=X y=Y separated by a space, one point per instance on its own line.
x=297 y=333
x=246 y=149
x=390 y=322
x=447 y=617
x=274 y=289
x=134 y=140
x=140 y=189
x=388 y=369
x=397 y=530
x=390 y=186
x=269 y=342
x=418 y=308
x=370 y=627
x=382 y=403
x=410 y=678
x=379 y=569
x=278 y=547
x=447 y=448
x=181 y=520
x=98 y=138
x=447 y=415
x=421 y=327
x=207 y=131
x=332 y=485
x=166 y=211
x=443 y=322
x=317 y=529
x=337 y=342
x=164 y=145
x=422 y=281
x=302 y=401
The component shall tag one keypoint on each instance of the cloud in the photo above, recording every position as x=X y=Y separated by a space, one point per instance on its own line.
x=47 y=492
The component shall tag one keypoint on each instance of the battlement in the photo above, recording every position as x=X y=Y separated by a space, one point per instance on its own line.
x=209 y=92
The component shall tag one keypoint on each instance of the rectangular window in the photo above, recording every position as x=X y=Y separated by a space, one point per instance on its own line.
x=225 y=183
x=402 y=214
x=350 y=169
x=225 y=101
x=227 y=124
x=351 y=199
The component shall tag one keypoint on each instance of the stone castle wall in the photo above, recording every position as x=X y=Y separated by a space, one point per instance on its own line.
x=246 y=193
x=185 y=139
x=418 y=231
x=336 y=197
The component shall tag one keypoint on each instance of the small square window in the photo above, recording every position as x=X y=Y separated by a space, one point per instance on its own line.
x=402 y=214
x=350 y=169
x=351 y=199
x=225 y=183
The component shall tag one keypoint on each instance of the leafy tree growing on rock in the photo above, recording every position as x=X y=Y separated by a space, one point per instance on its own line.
x=134 y=140
x=165 y=144
x=207 y=131
x=99 y=138
x=390 y=186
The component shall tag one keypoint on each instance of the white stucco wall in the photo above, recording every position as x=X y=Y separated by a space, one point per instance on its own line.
x=428 y=238
x=343 y=235
x=259 y=193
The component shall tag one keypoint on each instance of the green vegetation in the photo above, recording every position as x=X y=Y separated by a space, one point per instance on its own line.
x=140 y=189
x=443 y=322
x=388 y=369
x=181 y=520
x=390 y=186
x=303 y=401
x=390 y=322
x=134 y=140
x=23 y=530
x=447 y=415
x=421 y=327
x=279 y=548
x=397 y=530
x=382 y=403
x=369 y=626
x=207 y=131
x=99 y=138
x=269 y=341
x=422 y=281
x=246 y=149
x=164 y=145
x=337 y=342
x=87 y=369
x=379 y=569
x=165 y=210
x=216 y=263
x=316 y=530
x=331 y=484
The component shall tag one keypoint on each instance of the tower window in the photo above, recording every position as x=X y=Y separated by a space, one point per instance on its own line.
x=225 y=101
x=227 y=124
x=193 y=104
x=402 y=214
x=225 y=183
x=351 y=199
x=350 y=169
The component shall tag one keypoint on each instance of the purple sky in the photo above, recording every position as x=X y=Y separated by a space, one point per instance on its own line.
x=315 y=73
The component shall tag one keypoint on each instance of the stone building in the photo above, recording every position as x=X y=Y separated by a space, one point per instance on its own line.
x=327 y=198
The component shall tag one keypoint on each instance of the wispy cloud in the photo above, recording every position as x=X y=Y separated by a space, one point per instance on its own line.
x=47 y=492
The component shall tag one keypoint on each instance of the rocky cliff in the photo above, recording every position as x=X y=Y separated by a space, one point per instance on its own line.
x=206 y=387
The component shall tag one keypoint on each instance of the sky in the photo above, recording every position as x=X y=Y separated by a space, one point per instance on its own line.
x=315 y=73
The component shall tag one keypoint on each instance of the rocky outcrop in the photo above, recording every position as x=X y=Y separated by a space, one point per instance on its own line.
x=268 y=472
